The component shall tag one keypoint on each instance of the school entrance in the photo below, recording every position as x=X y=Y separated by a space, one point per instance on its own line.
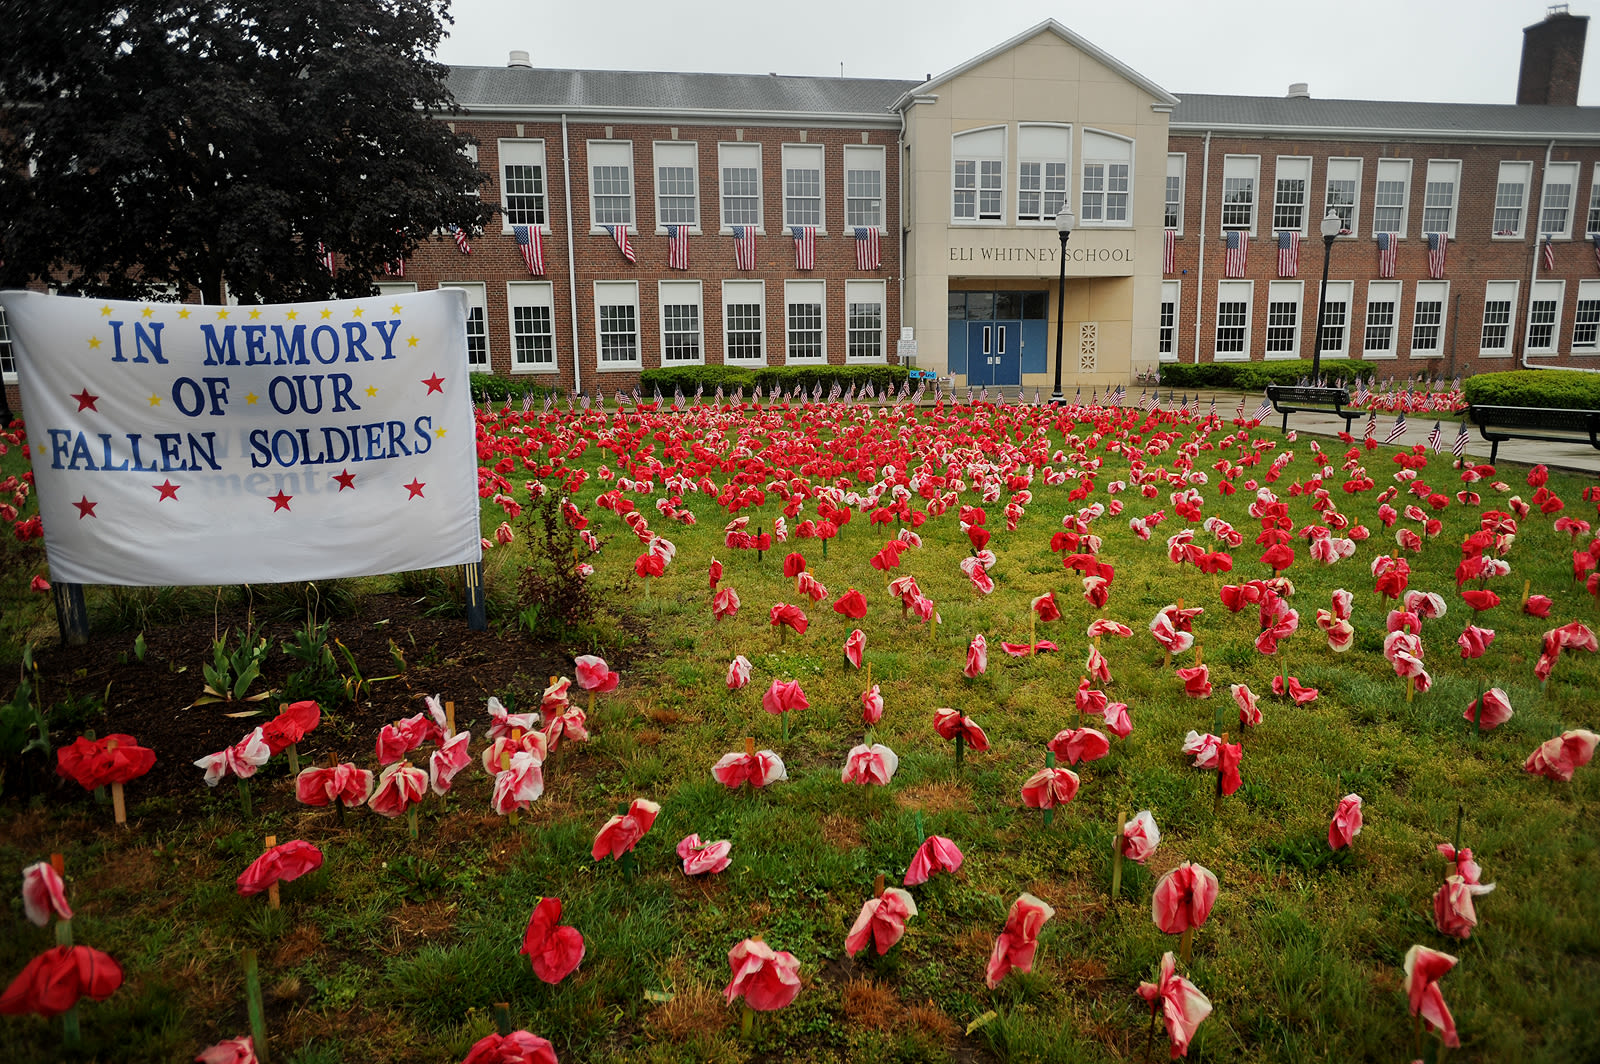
x=997 y=336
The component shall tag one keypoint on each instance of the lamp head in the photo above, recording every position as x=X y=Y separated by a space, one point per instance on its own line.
x=1065 y=221
x=1331 y=224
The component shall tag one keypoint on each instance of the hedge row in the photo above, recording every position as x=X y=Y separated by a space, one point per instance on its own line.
x=493 y=388
x=1254 y=376
x=1535 y=387
x=731 y=378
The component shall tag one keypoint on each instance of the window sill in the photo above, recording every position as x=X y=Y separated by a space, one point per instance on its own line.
x=1230 y=356
x=1343 y=356
x=881 y=360
x=791 y=361
x=1508 y=238
x=727 y=230
x=1425 y=354
x=507 y=230
x=1378 y=356
x=978 y=223
x=595 y=230
x=787 y=232
x=1282 y=356
x=619 y=367
x=1585 y=351
x=1103 y=225
x=530 y=371
x=1493 y=354
x=694 y=230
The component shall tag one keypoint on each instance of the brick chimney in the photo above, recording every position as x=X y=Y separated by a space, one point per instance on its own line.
x=1552 y=58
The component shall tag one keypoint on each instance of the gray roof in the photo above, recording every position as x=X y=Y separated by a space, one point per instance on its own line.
x=1199 y=112
x=652 y=92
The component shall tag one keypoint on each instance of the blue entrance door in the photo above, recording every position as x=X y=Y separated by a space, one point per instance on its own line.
x=994 y=353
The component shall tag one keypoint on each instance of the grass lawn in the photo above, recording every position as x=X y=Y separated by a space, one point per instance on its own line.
x=397 y=950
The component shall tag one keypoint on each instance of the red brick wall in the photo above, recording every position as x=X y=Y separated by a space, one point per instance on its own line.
x=1474 y=259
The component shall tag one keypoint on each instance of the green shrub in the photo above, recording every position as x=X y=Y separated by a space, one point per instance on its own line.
x=1254 y=376
x=1535 y=387
x=493 y=388
x=730 y=378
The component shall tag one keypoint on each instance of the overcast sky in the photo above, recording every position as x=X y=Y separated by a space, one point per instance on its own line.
x=1452 y=51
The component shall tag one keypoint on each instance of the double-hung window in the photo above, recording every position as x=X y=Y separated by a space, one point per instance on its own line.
x=864 y=321
x=616 y=324
x=681 y=343
x=1107 y=180
x=1336 y=319
x=522 y=190
x=1391 y=197
x=1593 y=226
x=1585 y=323
x=1544 y=316
x=1557 y=202
x=741 y=184
x=611 y=182
x=8 y=358
x=1239 y=174
x=1498 y=299
x=1167 y=341
x=1289 y=194
x=1343 y=192
x=863 y=187
x=477 y=327
x=802 y=185
x=1511 y=198
x=1383 y=302
x=1283 y=319
x=1172 y=213
x=978 y=164
x=744 y=322
x=677 y=184
x=1233 y=320
x=807 y=324
x=1427 y=320
x=1043 y=153
x=533 y=338
x=1439 y=197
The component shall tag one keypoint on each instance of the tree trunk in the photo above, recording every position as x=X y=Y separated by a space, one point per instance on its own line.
x=211 y=285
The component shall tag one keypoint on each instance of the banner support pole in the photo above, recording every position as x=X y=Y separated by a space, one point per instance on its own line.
x=72 y=616
x=472 y=584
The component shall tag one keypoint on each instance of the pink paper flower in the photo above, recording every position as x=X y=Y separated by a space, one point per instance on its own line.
x=1249 y=708
x=872 y=765
x=346 y=782
x=1079 y=744
x=882 y=921
x=1140 y=836
x=1182 y=1004
x=594 y=676
x=853 y=647
x=229 y=1051
x=1557 y=758
x=1183 y=898
x=949 y=723
x=1196 y=681
x=1424 y=967
x=518 y=1047
x=736 y=769
x=1117 y=719
x=872 y=705
x=703 y=858
x=936 y=854
x=784 y=696
x=399 y=788
x=449 y=759
x=1496 y=709
x=767 y=979
x=977 y=658
x=242 y=759
x=44 y=893
x=724 y=603
x=280 y=864
x=519 y=785
x=1018 y=941
x=1454 y=912
x=1050 y=787
x=1474 y=641
x=622 y=832
x=1346 y=823
x=738 y=672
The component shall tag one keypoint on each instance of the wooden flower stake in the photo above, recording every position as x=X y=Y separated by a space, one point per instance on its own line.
x=961 y=747
x=1033 y=642
x=258 y=1015
x=502 y=1018
x=630 y=865
x=292 y=749
x=244 y=798
x=119 y=808
x=1185 y=944
x=1216 y=807
x=1477 y=713
x=272 y=889
x=71 y=1033
x=1411 y=688
x=1527 y=587
x=505 y=766
x=1116 y=855
x=1049 y=810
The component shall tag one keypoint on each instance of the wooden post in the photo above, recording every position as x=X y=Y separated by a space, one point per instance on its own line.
x=72 y=616
x=119 y=807
x=477 y=607
x=1049 y=811
x=450 y=720
x=1116 y=856
x=272 y=891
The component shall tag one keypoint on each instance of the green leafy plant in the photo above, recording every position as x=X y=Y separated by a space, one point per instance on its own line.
x=22 y=724
x=317 y=677
x=1565 y=389
x=414 y=879
x=140 y=648
x=1254 y=376
x=789 y=377
x=354 y=683
x=231 y=672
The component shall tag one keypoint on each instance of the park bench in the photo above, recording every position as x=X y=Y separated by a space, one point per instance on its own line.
x=1301 y=399
x=1549 y=424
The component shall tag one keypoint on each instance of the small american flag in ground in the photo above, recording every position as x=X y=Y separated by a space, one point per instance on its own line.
x=530 y=241
x=1145 y=402
x=1459 y=447
x=619 y=233
x=805 y=246
x=1263 y=410
x=1288 y=254
x=1388 y=253
x=1372 y=426
x=1549 y=254
x=1361 y=392
x=869 y=255
x=1169 y=250
x=677 y=247
x=461 y=239
x=1233 y=261
x=1398 y=429
x=1436 y=437
x=1238 y=411
x=744 y=247
x=1438 y=244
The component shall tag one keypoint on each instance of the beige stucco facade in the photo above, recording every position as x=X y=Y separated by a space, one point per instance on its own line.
x=1047 y=76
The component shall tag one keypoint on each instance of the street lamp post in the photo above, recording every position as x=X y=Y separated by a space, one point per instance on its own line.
x=1330 y=227
x=1064 y=223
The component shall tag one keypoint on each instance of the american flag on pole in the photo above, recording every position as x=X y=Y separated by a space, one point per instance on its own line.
x=1438 y=244
x=1435 y=437
x=744 y=247
x=1361 y=391
x=1388 y=253
x=1289 y=254
x=1233 y=262
x=1238 y=411
x=805 y=246
x=1169 y=250
x=677 y=247
x=397 y=268
x=1459 y=447
x=619 y=233
x=1398 y=429
x=325 y=257
x=530 y=241
x=1549 y=254
x=1372 y=426
x=461 y=239
x=869 y=255
x=1145 y=402
x=1263 y=410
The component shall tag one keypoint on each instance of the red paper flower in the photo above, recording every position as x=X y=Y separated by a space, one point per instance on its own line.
x=280 y=864
x=291 y=725
x=553 y=950
x=54 y=981
x=98 y=762
x=852 y=604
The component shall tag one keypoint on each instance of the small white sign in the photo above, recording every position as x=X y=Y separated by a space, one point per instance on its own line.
x=907 y=350
x=907 y=334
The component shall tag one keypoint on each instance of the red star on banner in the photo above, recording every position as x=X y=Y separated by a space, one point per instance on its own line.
x=87 y=401
x=346 y=479
x=168 y=490
x=415 y=488
x=85 y=507
x=435 y=383
x=280 y=501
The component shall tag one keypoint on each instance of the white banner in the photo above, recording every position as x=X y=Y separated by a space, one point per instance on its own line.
x=186 y=444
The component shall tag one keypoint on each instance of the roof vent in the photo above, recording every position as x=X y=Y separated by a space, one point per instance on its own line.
x=1299 y=90
x=520 y=59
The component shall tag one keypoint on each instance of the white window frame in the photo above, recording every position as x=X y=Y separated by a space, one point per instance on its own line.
x=1548 y=291
x=1592 y=225
x=875 y=156
x=1176 y=161
x=523 y=152
x=802 y=153
x=1439 y=171
x=396 y=288
x=1393 y=170
x=1425 y=293
x=8 y=353
x=1350 y=168
x=1292 y=168
x=677 y=152
x=616 y=294
x=1588 y=292
x=1171 y=294
x=977 y=159
x=728 y=151
x=1285 y=292
x=477 y=300
x=866 y=292
x=1508 y=175
x=468 y=151
x=1337 y=293
x=1391 y=292
x=805 y=288
x=1500 y=292
x=1236 y=168
x=520 y=294
x=1573 y=172
x=681 y=294
x=745 y=293
x=1231 y=292
x=1042 y=160
x=610 y=147
x=1092 y=157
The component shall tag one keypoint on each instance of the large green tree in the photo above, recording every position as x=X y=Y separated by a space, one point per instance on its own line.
x=146 y=144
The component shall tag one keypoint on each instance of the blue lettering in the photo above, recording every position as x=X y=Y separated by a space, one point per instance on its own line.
x=388 y=336
x=151 y=341
x=291 y=348
x=219 y=353
x=424 y=428
x=116 y=341
x=59 y=439
x=263 y=452
x=342 y=383
x=181 y=388
x=355 y=334
x=255 y=346
x=105 y=455
x=316 y=347
x=171 y=461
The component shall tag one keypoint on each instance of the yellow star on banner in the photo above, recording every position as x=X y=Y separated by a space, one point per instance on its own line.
x=326 y=313
x=254 y=314
x=395 y=309
x=356 y=312
x=293 y=314
x=222 y=315
x=105 y=311
x=41 y=448
x=94 y=342
x=411 y=341
x=184 y=313
x=250 y=399
x=155 y=400
x=439 y=432
x=372 y=390
x=147 y=311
